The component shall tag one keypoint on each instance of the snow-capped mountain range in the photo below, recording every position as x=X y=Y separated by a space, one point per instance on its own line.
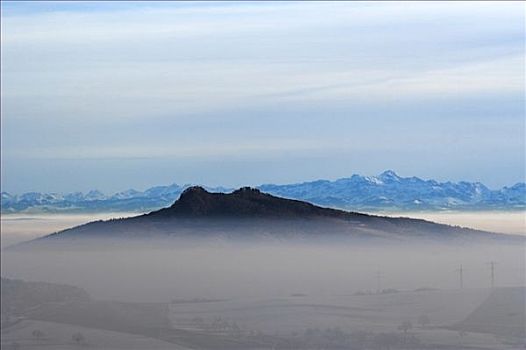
x=383 y=192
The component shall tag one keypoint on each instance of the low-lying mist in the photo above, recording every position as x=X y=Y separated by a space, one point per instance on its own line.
x=509 y=222
x=272 y=286
x=183 y=269
x=16 y=228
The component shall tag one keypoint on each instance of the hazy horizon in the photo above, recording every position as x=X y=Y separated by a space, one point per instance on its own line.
x=124 y=187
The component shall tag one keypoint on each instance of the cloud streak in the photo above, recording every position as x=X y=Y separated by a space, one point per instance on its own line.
x=227 y=79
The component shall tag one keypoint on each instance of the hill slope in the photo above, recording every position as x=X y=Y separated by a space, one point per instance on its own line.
x=503 y=313
x=248 y=213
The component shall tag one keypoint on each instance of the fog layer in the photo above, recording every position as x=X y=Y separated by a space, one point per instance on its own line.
x=211 y=293
x=224 y=270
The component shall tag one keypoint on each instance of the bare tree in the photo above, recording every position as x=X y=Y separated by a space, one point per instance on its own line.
x=199 y=322
x=217 y=324
x=461 y=334
x=37 y=334
x=78 y=338
x=424 y=321
x=235 y=330
x=405 y=326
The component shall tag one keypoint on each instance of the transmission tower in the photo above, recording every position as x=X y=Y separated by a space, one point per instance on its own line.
x=492 y=271
x=379 y=276
x=460 y=271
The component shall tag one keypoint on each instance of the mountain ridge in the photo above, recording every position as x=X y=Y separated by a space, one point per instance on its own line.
x=386 y=191
x=248 y=213
x=245 y=202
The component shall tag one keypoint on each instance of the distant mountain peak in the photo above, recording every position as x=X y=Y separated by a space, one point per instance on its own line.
x=389 y=175
x=387 y=190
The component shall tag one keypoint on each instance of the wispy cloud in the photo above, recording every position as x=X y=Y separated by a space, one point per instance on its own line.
x=91 y=79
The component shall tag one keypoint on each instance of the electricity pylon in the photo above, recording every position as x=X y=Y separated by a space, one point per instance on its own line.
x=460 y=271
x=492 y=275
x=379 y=277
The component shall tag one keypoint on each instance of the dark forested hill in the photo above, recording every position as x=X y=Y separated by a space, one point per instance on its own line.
x=248 y=213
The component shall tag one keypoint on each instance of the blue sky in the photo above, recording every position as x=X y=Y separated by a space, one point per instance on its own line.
x=118 y=95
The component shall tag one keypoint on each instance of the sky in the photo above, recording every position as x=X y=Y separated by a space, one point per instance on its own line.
x=118 y=95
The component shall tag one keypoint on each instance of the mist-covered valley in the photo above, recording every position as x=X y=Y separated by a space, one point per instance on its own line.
x=159 y=271
x=261 y=294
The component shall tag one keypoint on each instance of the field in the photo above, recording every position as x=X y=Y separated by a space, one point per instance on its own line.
x=372 y=321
